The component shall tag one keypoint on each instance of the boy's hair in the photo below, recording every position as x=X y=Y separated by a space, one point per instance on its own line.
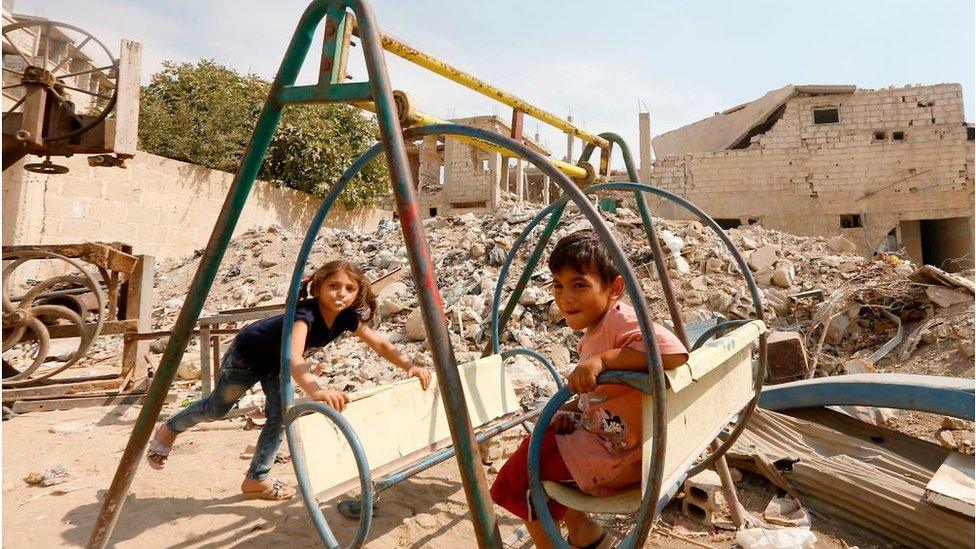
x=365 y=302
x=583 y=252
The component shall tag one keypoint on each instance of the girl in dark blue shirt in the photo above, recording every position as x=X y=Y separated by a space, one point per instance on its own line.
x=341 y=300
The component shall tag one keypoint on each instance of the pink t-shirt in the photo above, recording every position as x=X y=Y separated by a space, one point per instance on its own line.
x=604 y=453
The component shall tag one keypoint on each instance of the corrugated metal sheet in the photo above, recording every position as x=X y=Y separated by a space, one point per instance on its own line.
x=866 y=475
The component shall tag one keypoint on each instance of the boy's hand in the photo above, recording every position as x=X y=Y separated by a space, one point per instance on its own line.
x=583 y=378
x=563 y=424
x=336 y=399
x=420 y=373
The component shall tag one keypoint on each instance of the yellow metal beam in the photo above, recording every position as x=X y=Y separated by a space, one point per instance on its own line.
x=421 y=119
x=429 y=62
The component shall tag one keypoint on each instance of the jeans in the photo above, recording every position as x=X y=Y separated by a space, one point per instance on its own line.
x=236 y=376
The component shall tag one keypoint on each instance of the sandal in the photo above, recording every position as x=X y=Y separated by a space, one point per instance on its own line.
x=597 y=544
x=157 y=455
x=278 y=491
x=353 y=508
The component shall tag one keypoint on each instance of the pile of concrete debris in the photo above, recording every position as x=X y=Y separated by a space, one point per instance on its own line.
x=845 y=306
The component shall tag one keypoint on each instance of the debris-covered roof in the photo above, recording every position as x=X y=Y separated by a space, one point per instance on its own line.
x=728 y=128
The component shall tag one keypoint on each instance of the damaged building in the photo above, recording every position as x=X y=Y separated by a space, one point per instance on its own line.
x=453 y=177
x=888 y=169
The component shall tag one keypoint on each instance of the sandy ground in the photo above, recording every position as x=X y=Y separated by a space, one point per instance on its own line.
x=194 y=502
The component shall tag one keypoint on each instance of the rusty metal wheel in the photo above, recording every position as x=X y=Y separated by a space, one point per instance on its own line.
x=75 y=299
x=83 y=67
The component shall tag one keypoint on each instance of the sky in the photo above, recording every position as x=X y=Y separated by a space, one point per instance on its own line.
x=681 y=61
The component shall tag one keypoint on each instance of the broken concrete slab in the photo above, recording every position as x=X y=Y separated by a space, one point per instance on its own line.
x=944 y=297
x=764 y=257
x=841 y=245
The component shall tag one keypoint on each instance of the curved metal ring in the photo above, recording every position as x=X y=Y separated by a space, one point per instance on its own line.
x=362 y=463
x=728 y=324
x=87 y=337
x=541 y=358
x=759 y=374
x=655 y=374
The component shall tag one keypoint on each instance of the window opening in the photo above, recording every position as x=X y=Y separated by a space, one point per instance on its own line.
x=826 y=115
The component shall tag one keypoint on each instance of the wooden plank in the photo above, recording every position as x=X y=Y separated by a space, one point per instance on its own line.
x=82 y=402
x=953 y=486
x=65 y=389
x=33 y=115
x=127 y=106
x=107 y=255
x=398 y=421
x=111 y=327
x=387 y=279
x=138 y=307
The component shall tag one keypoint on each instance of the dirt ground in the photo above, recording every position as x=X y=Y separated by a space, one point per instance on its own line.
x=194 y=501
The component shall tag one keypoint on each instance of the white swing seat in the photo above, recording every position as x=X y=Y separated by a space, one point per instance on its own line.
x=703 y=396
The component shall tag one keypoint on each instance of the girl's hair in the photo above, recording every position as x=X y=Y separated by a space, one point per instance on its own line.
x=365 y=303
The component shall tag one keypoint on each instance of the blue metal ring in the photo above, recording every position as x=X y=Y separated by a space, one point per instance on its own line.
x=362 y=463
x=507 y=265
x=759 y=374
x=728 y=324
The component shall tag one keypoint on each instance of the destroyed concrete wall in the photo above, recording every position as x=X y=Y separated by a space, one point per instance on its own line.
x=160 y=206
x=471 y=175
x=894 y=155
x=473 y=178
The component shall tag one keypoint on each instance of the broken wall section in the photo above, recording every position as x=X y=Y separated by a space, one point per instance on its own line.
x=893 y=155
x=162 y=207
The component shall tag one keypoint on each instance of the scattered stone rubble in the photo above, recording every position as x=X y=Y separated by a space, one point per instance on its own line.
x=813 y=285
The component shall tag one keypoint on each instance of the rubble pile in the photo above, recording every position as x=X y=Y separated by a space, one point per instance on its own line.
x=818 y=286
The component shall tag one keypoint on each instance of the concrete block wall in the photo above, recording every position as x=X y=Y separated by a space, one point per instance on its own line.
x=162 y=207
x=470 y=173
x=801 y=177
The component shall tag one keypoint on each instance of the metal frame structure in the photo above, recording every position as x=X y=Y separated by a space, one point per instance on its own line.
x=377 y=95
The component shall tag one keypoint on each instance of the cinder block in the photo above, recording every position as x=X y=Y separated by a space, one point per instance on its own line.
x=703 y=499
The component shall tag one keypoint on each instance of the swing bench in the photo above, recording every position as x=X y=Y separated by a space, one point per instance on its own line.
x=401 y=430
x=704 y=395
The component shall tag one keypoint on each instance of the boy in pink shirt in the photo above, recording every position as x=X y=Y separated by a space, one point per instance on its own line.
x=601 y=451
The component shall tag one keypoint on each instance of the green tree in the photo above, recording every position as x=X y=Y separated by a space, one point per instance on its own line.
x=204 y=113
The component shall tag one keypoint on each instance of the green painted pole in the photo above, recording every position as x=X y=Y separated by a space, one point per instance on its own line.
x=203 y=279
x=530 y=265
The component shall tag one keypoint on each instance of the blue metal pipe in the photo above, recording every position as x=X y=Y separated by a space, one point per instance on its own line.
x=447 y=453
x=362 y=463
x=527 y=271
x=727 y=325
x=759 y=374
x=934 y=394
x=559 y=204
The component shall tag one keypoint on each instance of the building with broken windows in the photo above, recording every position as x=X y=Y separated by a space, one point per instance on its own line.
x=886 y=168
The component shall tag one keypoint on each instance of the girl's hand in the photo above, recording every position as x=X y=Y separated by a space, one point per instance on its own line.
x=583 y=378
x=420 y=373
x=336 y=399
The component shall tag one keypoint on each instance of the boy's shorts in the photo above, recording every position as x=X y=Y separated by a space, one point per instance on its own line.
x=511 y=487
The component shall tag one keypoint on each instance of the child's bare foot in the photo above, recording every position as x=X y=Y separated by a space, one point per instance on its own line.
x=160 y=447
x=269 y=488
x=583 y=531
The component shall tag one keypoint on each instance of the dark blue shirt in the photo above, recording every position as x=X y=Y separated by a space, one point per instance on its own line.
x=259 y=344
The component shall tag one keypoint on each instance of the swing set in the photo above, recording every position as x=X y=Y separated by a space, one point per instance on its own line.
x=692 y=415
